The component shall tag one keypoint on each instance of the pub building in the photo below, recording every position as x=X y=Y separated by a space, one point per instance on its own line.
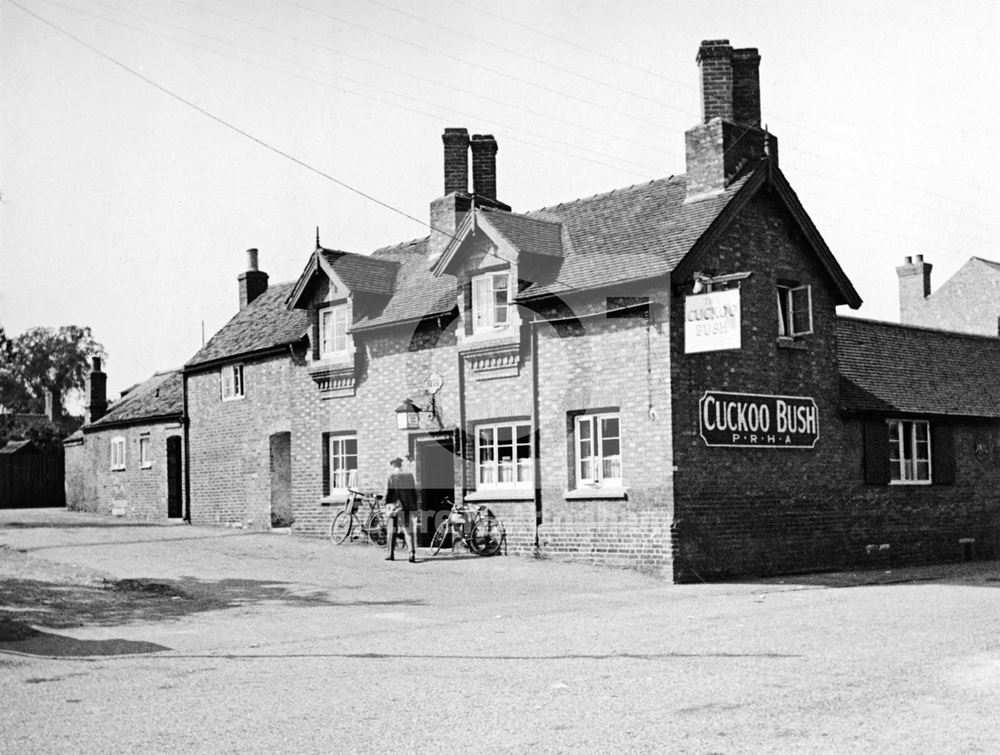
x=653 y=378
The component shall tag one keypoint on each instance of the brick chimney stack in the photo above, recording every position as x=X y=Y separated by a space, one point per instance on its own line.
x=730 y=137
x=484 y=166
x=97 y=392
x=448 y=211
x=253 y=282
x=914 y=287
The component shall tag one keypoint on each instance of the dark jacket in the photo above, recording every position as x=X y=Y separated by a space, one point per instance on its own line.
x=401 y=488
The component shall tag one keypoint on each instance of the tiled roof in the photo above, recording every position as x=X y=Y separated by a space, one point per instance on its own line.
x=160 y=396
x=526 y=233
x=418 y=293
x=262 y=324
x=361 y=273
x=629 y=234
x=885 y=367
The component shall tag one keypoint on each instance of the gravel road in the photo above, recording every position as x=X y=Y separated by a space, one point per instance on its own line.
x=125 y=637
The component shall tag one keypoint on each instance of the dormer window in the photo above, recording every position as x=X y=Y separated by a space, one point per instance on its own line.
x=490 y=303
x=333 y=322
x=794 y=310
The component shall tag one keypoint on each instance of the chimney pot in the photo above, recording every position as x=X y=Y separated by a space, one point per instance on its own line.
x=96 y=364
x=920 y=258
x=252 y=259
x=97 y=392
x=908 y=260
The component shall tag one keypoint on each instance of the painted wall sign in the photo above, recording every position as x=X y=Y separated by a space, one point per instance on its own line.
x=746 y=420
x=712 y=321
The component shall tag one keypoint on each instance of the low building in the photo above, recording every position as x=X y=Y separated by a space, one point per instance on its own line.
x=128 y=459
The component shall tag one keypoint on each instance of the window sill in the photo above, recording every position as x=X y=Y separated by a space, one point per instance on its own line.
x=791 y=343
x=586 y=493
x=117 y=469
x=336 y=498
x=234 y=398
x=146 y=466
x=502 y=494
x=907 y=483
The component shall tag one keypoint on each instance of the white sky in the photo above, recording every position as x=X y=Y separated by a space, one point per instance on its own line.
x=127 y=211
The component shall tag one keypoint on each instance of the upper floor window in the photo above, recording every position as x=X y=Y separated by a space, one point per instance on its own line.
x=333 y=322
x=232 y=382
x=909 y=451
x=794 y=310
x=598 y=450
x=503 y=454
x=117 y=453
x=490 y=305
x=342 y=462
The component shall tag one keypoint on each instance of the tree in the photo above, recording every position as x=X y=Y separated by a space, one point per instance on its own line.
x=41 y=360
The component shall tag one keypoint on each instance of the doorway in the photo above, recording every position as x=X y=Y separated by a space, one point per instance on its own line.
x=281 y=480
x=175 y=499
x=434 y=463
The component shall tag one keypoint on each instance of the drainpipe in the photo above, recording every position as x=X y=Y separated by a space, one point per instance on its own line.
x=535 y=432
x=461 y=421
x=185 y=423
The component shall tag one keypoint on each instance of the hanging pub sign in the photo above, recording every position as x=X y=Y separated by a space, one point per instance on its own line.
x=746 y=420
x=712 y=321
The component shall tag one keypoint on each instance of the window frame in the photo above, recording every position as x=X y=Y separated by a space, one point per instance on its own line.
x=331 y=311
x=118 y=454
x=904 y=452
x=596 y=439
x=234 y=389
x=483 y=287
x=787 y=309
x=335 y=452
x=517 y=464
x=145 y=446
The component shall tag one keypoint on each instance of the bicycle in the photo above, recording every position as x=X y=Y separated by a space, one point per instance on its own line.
x=486 y=534
x=344 y=523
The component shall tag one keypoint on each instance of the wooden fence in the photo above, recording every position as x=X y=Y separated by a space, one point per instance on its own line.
x=31 y=480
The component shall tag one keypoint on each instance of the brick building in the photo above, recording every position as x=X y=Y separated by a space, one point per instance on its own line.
x=655 y=377
x=127 y=459
x=968 y=302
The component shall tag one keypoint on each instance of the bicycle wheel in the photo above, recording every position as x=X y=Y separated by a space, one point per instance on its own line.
x=340 y=527
x=376 y=528
x=437 y=542
x=487 y=536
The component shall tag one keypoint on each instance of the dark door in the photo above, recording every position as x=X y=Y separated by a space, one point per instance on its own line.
x=175 y=501
x=435 y=468
x=281 y=480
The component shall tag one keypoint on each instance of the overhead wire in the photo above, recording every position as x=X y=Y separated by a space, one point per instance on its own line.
x=334 y=179
x=853 y=143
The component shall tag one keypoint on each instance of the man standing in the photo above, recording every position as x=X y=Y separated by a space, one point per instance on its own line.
x=401 y=491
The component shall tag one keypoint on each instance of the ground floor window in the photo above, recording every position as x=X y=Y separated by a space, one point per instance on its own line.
x=503 y=454
x=901 y=451
x=909 y=451
x=145 y=460
x=341 y=462
x=598 y=450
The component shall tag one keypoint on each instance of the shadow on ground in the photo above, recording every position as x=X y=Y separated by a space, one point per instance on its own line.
x=18 y=637
x=115 y=602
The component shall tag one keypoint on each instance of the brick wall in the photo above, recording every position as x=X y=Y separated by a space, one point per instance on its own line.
x=619 y=364
x=230 y=440
x=765 y=511
x=135 y=492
